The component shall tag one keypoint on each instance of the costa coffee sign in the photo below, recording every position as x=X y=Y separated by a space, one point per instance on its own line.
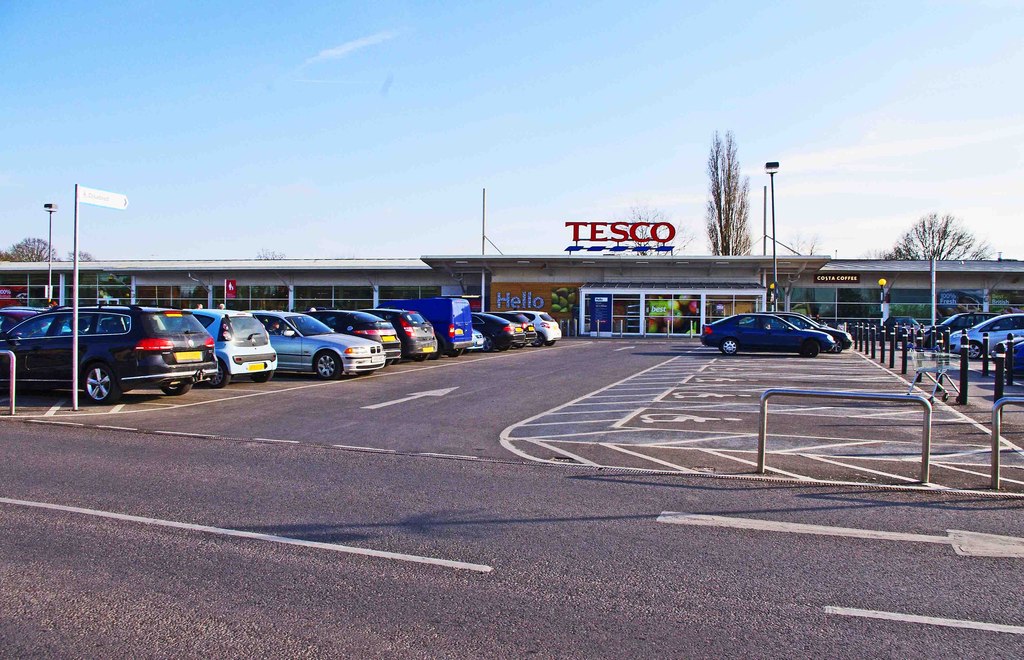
x=641 y=233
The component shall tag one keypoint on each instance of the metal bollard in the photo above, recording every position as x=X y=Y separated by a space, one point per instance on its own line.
x=965 y=371
x=903 y=358
x=857 y=337
x=1009 y=359
x=871 y=339
x=919 y=339
x=882 y=335
x=947 y=333
x=892 y=348
x=1000 y=377
x=984 y=354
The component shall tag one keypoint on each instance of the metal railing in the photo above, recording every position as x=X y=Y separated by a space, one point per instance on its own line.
x=997 y=429
x=10 y=365
x=926 y=426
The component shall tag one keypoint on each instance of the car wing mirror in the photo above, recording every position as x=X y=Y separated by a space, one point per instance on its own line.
x=288 y=332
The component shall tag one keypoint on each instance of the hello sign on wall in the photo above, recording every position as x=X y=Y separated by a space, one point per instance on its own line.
x=642 y=233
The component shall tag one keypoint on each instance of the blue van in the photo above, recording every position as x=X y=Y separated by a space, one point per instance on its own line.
x=451 y=318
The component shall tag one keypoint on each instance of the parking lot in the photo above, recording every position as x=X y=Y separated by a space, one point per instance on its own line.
x=655 y=405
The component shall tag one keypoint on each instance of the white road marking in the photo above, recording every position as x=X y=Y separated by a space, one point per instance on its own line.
x=557 y=450
x=980 y=474
x=570 y=423
x=273 y=538
x=114 y=428
x=412 y=397
x=55 y=407
x=116 y=409
x=680 y=468
x=828 y=446
x=372 y=449
x=861 y=468
x=287 y=442
x=798 y=477
x=190 y=435
x=624 y=348
x=967 y=544
x=926 y=620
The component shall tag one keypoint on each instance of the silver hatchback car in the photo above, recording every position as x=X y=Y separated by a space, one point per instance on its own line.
x=306 y=345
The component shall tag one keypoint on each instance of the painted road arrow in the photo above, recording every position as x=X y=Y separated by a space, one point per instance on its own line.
x=411 y=397
x=968 y=544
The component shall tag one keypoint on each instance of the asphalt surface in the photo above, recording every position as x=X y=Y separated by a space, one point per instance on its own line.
x=580 y=565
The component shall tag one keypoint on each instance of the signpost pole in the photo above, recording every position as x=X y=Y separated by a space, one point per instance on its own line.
x=74 y=312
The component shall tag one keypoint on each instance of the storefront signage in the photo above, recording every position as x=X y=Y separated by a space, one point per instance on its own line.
x=837 y=278
x=640 y=233
x=13 y=295
x=525 y=300
x=230 y=289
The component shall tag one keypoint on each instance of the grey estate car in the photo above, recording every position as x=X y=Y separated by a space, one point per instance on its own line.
x=307 y=345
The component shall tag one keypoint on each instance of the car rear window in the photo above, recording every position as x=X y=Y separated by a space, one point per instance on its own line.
x=414 y=318
x=172 y=323
x=544 y=316
x=309 y=326
x=244 y=327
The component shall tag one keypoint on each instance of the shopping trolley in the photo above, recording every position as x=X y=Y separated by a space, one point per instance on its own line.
x=934 y=366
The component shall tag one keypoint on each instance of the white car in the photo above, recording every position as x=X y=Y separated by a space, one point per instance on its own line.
x=478 y=341
x=547 y=328
x=241 y=345
x=306 y=345
x=997 y=329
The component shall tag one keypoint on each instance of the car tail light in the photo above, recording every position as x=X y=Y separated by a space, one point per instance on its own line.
x=367 y=333
x=156 y=344
x=225 y=333
x=707 y=329
x=406 y=326
x=209 y=342
x=451 y=330
x=508 y=330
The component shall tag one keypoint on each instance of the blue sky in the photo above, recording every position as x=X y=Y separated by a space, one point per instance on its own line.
x=368 y=130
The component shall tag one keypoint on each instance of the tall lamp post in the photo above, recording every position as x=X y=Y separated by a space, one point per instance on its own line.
x=881 y=298
x=51 y=209
x=771 y=168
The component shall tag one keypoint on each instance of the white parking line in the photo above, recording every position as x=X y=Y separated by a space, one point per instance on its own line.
x=624 y=348
x=680 y=468
x=287 y=442
x=273 y=538
x=828 y=446
x=568 y=454
x=859 y=468
x=926 y=620
x=55 y=407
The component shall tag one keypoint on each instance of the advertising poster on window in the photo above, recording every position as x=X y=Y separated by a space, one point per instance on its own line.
x=560 y=300
x=13 y=295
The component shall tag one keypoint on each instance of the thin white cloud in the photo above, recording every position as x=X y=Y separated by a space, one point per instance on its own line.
x=350 y=47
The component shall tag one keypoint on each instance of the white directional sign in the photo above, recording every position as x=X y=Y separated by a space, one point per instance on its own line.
x=411 y=397
x=102 y=198
x=968 y=544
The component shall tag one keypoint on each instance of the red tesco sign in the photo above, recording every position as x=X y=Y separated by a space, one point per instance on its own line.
x=230 y=289
x=618 y=232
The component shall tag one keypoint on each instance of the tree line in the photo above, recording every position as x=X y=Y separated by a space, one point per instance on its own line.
x=38 y=249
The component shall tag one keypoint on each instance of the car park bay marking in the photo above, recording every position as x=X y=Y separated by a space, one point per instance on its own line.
x=624 y=348
x=55 y=407
x=966 y=544
x=273 y=538
x=412 y=397
x=925 y=620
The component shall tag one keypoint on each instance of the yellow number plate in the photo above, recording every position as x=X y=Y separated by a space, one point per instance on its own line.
x=519 y=329
x=188 y=356
x=388 y=338
x=428 y=349
x=256 y=366
x=458 y=331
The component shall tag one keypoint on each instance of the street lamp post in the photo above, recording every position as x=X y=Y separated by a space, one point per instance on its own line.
x=771 y=168
x=51 y=209
x=881 y=297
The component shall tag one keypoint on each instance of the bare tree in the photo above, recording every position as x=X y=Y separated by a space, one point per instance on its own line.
x=82 y=256
x=641 y=213
x=30 y=249
x=801 y=244
x=939 y=237
x=269 y=255
x=727 y=214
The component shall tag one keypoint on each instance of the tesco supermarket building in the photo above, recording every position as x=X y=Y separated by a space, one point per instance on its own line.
x=590 y=294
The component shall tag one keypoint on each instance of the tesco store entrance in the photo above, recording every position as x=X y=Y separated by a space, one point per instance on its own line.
x=649 y=310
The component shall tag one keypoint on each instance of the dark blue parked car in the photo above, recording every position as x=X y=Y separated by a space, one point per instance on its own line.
x=764 y=332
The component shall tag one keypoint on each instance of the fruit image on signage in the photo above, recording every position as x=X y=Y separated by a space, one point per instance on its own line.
x=564 y=300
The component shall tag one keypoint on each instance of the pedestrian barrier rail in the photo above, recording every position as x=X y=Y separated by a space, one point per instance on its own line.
x=926 y=424
x=10 y=365
x=997 y=430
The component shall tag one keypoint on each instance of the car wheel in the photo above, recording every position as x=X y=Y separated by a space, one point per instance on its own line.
x=539 y=341
x=488 y=345
x=974 y=350
x=177 y=389
x=262 y=377
x=729 y=346
x=327 y=365
x=456 y=353
x=550 y=343
x=810 y=348
x=221 y=378
x=100 y=384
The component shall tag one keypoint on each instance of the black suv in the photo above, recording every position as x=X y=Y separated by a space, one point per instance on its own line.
x=524 y=321
x=500 y=334
x=362 y=324
x=120 y=348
